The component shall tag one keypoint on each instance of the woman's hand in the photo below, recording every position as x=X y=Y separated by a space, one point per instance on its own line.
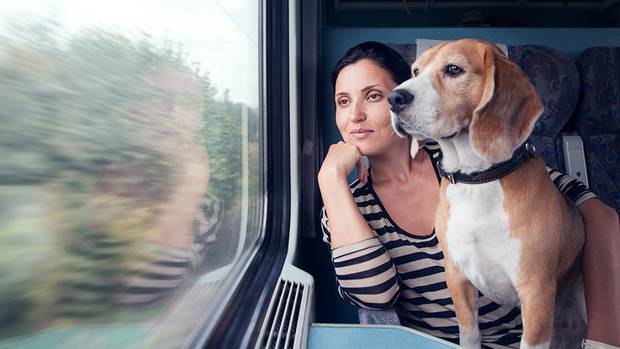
x=340 y=160
x=346 y=223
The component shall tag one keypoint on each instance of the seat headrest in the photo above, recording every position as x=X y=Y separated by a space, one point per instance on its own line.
x=556 y=80
x=597 y=112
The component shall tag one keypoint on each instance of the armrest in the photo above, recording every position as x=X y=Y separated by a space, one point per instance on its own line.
x=574 y=157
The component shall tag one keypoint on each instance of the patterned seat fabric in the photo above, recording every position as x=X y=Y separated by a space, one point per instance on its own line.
x=598 y=120
x=378 y=317
x=556 y=80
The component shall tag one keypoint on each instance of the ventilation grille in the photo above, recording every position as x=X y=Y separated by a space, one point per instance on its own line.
x=284 y=316
x=290 y=311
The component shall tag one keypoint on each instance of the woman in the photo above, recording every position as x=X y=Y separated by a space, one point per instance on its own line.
x=380 y=227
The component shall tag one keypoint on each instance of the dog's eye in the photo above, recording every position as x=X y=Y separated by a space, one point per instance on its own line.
x=453 y=70
x=416 y=71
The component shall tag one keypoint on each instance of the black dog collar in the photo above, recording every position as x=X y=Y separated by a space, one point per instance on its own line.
x=524 y=152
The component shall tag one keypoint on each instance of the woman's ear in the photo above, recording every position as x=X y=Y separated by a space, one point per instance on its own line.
x=507 y=111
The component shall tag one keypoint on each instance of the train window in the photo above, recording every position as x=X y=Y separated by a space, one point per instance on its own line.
x=131 y=176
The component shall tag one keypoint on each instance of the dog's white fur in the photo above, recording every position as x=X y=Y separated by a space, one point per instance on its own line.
x=458 y=154
x=494 y=269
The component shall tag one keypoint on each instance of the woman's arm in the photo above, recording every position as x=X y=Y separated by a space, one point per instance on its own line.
x=601 y=259
x=347 y=225
x=366 y=274
x=601 y=265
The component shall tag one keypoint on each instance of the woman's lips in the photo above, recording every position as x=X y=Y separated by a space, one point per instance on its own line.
x=361 y=133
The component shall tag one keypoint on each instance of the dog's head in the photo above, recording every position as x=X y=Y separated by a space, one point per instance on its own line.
x=467 y=86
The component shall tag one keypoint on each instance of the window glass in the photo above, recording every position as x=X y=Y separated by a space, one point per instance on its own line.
x=131 y=189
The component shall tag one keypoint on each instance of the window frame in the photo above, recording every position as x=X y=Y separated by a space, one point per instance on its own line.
x=241 y=319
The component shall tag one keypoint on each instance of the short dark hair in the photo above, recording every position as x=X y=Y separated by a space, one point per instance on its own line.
x=380 y=54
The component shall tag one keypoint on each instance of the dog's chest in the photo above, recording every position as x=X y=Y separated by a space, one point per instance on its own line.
x=479 y=241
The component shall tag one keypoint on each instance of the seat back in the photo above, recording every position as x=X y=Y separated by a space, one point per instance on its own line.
x=598 y=120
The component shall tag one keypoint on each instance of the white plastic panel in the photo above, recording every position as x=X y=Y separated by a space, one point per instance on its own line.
x=574 y=157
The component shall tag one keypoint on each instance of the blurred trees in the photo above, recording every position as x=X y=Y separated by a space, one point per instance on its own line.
x=91 y=128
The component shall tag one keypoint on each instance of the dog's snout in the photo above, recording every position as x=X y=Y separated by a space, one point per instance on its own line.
x=399 y=99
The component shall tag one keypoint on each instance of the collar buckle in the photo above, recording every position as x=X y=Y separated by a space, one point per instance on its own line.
x=531 y=149
x=450 y=177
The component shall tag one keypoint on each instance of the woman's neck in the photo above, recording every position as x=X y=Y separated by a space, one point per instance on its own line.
x=396 y=165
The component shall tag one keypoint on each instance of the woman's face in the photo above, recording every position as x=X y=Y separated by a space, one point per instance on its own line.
x=362 y=109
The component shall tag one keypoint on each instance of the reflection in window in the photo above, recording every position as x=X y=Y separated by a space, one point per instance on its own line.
x=130 y=188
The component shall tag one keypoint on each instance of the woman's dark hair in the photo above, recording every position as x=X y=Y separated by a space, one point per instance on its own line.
x=381 y=54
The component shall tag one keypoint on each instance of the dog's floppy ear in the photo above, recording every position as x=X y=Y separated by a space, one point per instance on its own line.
x=508 y=108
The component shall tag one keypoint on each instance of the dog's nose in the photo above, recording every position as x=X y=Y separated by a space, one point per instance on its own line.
x=399 y=99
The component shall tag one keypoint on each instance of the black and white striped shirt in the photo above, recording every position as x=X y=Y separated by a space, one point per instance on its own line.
x=404 y=270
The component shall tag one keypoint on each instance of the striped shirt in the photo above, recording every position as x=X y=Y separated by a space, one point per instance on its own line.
x=406 y=271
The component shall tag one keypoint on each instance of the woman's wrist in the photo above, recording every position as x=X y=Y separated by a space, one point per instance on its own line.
x=330 y=174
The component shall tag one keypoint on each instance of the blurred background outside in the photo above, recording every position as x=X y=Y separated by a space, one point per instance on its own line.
x=130 y=176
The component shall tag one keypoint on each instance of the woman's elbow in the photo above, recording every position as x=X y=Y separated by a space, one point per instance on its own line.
x=386 y=303
x=382 y=301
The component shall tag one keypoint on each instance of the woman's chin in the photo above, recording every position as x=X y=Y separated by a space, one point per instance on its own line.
x=365 y=150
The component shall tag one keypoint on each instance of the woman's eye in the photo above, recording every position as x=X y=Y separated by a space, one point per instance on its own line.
x=453 y=70
x=416 y=71
x=343 y=102
x=374 y=97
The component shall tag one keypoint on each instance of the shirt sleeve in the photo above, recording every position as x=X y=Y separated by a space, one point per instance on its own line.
x=572 y=188
x=365 y=272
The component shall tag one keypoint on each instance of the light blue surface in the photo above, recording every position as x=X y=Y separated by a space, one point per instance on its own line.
x=130 y=336
x=366 y=337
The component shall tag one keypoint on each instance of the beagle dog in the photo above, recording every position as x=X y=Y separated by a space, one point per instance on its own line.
x=504 y=227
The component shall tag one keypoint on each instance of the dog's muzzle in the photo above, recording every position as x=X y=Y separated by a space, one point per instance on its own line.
x=399 y=100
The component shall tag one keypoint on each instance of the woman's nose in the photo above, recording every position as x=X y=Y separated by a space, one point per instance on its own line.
x=358 y=112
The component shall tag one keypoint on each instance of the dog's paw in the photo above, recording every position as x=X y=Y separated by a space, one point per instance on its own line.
x=469 y=338
x=525 y=345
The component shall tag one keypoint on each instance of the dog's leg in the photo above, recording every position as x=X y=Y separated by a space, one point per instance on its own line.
x=537 y=307
x=465 y=298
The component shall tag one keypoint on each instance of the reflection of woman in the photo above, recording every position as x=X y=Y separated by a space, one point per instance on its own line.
x=172 y=248
x=380 y=228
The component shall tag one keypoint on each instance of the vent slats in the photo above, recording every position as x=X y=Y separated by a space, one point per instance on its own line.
x=284 y=316
x=289 y=324
x=297 y=313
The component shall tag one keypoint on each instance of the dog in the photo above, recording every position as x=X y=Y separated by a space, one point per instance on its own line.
x=504 y=227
